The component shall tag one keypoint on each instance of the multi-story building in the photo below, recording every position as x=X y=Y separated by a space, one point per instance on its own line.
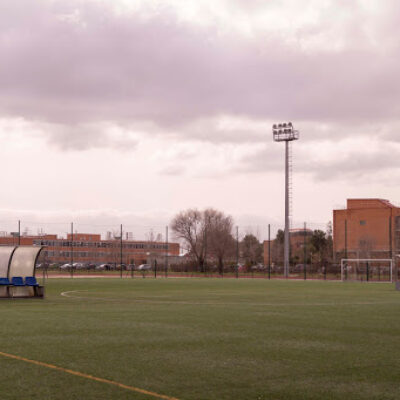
x=367 y=228
x=90 y=248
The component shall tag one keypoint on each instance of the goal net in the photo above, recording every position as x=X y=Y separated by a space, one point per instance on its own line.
x=367 y=269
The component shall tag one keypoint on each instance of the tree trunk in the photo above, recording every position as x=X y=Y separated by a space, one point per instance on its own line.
x=201 y=264
x=220 y=265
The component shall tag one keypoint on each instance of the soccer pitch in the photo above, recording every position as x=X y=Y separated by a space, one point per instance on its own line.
x=202 y=339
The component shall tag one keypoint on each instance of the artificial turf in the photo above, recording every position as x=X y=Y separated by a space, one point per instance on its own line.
x=204 y=339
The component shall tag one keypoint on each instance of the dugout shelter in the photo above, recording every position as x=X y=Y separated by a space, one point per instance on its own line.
x=17 y=272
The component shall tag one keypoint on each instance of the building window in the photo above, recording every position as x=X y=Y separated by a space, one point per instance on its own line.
x=363 y=222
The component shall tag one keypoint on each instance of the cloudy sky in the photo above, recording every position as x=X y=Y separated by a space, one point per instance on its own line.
x=114 y=111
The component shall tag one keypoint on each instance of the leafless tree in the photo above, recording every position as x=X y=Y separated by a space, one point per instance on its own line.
x=219 y=238
x=205 y=234
x=189 y=226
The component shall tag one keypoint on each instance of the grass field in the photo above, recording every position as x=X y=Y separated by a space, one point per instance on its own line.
x=203 y=339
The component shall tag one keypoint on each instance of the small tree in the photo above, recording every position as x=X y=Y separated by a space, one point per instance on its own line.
x=251 y=249
x=278 y=247
x=219 y=238
x=329 y=244
x=319 y=244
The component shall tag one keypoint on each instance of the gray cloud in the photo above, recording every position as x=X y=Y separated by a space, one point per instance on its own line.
x=361 y=163
x=76 y=69
x=74 y=63
x=87 y=136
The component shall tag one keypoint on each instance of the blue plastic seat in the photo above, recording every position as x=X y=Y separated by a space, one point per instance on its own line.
x=4 y=282
x=31 y=281
x=17 y=281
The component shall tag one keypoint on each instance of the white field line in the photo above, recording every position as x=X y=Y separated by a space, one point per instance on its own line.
x=149 y=301
x=66 y=294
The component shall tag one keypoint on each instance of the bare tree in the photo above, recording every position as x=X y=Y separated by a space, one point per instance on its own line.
x=219 y=238
x=189 y=226
x=205 y=234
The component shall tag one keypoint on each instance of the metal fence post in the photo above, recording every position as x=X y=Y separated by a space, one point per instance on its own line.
x=72 y=249
x=166 y=251
x=237 y=252
x=345 y=246
x=120 y=264
x=305 y=252
x=269 y=251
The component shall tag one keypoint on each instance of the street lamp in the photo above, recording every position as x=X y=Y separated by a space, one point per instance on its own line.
x=285 y=132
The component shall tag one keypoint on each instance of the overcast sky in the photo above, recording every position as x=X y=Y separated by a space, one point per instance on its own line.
x=112 y=112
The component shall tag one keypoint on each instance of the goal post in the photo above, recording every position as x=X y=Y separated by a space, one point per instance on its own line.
x=366 y=269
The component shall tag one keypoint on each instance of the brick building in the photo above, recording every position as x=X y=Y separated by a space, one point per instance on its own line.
x=367 y=228
x=90 y=248
x=296 y=238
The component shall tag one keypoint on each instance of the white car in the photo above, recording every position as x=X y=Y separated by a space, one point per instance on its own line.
x=103 y=267
x=65 y=266
x=144 y=267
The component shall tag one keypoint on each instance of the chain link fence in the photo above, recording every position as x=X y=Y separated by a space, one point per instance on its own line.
x=131 y=251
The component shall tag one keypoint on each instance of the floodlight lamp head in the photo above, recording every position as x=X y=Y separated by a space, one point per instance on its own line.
x=287 y=134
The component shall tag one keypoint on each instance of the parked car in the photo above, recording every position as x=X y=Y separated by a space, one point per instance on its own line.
x=300 y=267
x=130 y=267
x=78 y=265
x=103 y=267
x=257 y=267
x=90 y=266
x=144 y=267
x=65 y=266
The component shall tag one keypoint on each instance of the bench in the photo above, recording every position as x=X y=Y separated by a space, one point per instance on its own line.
x=18 y=281
x=6 y=282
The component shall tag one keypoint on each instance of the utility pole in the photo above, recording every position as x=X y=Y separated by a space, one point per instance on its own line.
x=285 y=132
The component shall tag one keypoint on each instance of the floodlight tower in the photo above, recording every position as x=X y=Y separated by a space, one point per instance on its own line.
x=285 y=132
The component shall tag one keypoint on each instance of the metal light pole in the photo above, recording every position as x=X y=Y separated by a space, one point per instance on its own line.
x=285 y=132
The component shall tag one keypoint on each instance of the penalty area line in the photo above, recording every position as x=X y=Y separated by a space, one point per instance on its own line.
x=87 y=376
